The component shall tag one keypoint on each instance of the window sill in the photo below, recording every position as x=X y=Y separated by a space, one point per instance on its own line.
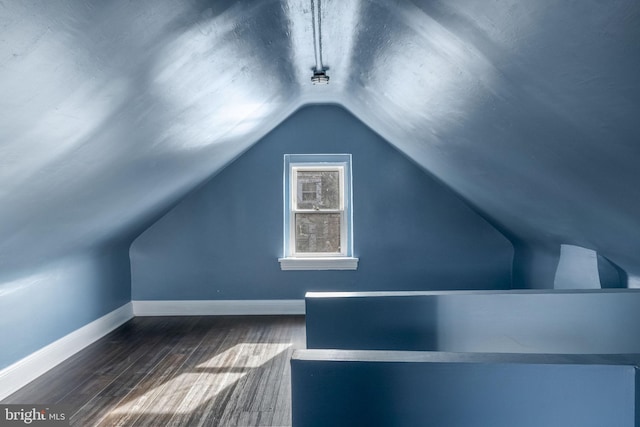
x=333 y=263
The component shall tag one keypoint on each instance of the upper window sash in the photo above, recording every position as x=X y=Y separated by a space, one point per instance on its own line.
x=298 y=194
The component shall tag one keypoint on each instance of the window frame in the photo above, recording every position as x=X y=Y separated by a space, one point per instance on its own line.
x=294 y=209
x=294 y=260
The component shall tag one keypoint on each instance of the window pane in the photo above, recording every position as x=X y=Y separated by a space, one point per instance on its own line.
x=317 y=232
x=318 y=189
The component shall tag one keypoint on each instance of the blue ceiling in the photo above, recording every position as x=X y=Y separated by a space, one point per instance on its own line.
x=110 y=111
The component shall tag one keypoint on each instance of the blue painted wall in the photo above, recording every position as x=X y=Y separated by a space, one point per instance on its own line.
x=534 y=266
x=602 y=321
x=411 y=232
x=344 y=388
x=45 y=304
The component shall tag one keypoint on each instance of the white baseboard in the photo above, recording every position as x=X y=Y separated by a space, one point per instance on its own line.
x=16 y=376
x=24 y=371
x=218 y=307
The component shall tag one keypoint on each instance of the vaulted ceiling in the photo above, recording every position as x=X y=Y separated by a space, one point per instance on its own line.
x=110 y=111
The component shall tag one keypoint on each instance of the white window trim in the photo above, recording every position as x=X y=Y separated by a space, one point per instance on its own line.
x=324 y=263
x=344 y=260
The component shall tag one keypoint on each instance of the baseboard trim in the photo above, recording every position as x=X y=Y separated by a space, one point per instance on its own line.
x=16 y=376
x=218 y=307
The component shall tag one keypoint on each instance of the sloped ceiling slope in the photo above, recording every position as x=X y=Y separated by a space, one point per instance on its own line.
x=110 y=111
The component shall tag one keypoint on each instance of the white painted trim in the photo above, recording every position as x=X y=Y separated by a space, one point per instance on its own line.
x=321 y=263
x=217 y=307
x=24 y=371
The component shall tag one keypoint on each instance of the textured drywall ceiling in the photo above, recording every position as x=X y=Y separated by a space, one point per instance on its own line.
x=112 y=110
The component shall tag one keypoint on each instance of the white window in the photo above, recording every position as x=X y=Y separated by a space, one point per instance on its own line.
x=318 y=225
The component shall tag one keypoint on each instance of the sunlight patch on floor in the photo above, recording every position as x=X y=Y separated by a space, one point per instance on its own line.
x=187 y=391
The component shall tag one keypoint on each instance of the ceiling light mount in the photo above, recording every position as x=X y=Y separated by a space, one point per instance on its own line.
x=319 y=77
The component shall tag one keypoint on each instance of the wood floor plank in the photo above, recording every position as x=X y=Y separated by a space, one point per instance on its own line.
x=178 y=371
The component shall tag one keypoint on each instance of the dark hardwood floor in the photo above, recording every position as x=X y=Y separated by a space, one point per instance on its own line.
x=178 y=371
